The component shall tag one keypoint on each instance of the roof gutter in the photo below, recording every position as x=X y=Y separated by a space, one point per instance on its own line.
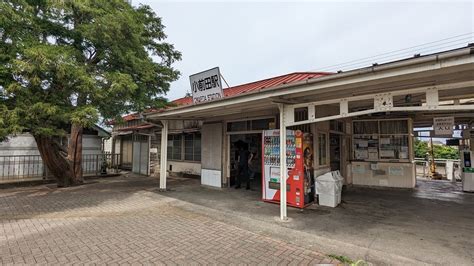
x=357 y=72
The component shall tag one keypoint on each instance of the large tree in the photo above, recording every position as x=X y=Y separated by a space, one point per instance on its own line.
x=65 y=65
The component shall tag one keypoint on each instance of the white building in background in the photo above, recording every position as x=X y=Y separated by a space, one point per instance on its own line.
x=20 y=158
x=25 y=144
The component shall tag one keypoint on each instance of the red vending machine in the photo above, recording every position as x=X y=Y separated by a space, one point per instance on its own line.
x=300 y=181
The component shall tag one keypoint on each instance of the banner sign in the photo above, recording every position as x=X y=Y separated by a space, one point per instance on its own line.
x=443 y=126
x=206 y=86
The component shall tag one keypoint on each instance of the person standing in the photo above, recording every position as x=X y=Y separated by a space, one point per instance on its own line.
x=244 y=159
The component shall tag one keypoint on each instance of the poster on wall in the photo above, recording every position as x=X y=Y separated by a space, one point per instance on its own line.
x=373 y=154
x=387 y=153
x=361 y=154
x=363 y=143
x=395 y=170
x=358 y=169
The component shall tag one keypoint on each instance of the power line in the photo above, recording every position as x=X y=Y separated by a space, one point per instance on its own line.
x=465 y=36
x=399 y=55
x=420 y=45
x=408 y=52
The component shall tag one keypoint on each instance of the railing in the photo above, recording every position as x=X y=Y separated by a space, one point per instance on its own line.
x=447 y=168
x=22 y=167
x=96 y=164
x=16 y=168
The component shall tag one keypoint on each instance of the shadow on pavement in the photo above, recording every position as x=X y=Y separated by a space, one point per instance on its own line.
x=47 y=199
x=431 y=223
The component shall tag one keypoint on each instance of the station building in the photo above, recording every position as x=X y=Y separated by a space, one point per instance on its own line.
x=361 y=120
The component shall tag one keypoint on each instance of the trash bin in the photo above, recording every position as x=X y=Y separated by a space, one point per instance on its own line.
x=340 y=180
x=328 y=188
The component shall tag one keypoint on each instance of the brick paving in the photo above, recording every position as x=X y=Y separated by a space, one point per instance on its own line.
x=123 y=220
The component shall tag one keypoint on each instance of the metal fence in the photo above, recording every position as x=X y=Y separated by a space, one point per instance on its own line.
x=96 y=164
x=15 y=168
x=447 y=168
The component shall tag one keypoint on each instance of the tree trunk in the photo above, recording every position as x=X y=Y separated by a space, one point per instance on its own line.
x=74 y=154
x=66 y=169
x=57 y=164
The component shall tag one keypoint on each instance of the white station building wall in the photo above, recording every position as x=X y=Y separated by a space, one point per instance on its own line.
x=25 y=144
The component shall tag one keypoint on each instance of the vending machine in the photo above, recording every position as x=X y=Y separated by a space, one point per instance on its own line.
x=299 y=160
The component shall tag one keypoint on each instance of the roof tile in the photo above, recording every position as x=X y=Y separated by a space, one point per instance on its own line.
x=261 y=85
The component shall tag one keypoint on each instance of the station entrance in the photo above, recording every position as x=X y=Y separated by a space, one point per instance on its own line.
x=240 y=143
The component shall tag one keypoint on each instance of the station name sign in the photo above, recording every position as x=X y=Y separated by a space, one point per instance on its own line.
x=206 y=86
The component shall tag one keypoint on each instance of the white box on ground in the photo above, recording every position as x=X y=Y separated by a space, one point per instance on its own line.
x=211 y=178
x=329 y=188
x=328 y=200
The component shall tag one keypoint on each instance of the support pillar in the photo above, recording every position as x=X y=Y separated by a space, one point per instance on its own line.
x=164 y=154
x=283 y=168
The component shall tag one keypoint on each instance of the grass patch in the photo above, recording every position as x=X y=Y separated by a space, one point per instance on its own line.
x=347 y=261
x=341 y=258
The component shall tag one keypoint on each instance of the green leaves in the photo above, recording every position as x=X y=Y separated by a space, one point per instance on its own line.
x=8 y=123
x=421 y=148
x=445 y=152
x=64 y=62
x=85 y=116
x=44 y=118
x=439 y=151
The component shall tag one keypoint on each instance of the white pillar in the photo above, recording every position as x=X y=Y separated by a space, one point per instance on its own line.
x=283 y=168
x=164 y=154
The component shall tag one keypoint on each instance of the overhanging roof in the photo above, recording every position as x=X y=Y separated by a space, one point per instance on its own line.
x=261 y=85
x=429 y=70
x=101 y=132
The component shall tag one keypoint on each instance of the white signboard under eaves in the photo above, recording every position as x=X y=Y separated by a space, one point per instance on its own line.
x=443 y=126
x=206 y=86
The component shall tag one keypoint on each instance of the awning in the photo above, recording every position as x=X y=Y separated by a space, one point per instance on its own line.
x=440 y=69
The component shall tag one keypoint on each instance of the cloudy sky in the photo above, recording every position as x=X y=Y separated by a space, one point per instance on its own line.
x=251 y=41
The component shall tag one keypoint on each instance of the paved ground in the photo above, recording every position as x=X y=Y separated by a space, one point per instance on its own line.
x=126 y=220
x=432 y=224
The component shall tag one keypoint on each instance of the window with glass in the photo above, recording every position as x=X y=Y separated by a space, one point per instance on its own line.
x=366 y=127
x=185 y=147
x=192 y=147
x=262 y=124
x=322 y=149
x=375 y=140
x=238 y=126
x=301 y=114
x=336 y=125
x=250 y=125
x=174 y=147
